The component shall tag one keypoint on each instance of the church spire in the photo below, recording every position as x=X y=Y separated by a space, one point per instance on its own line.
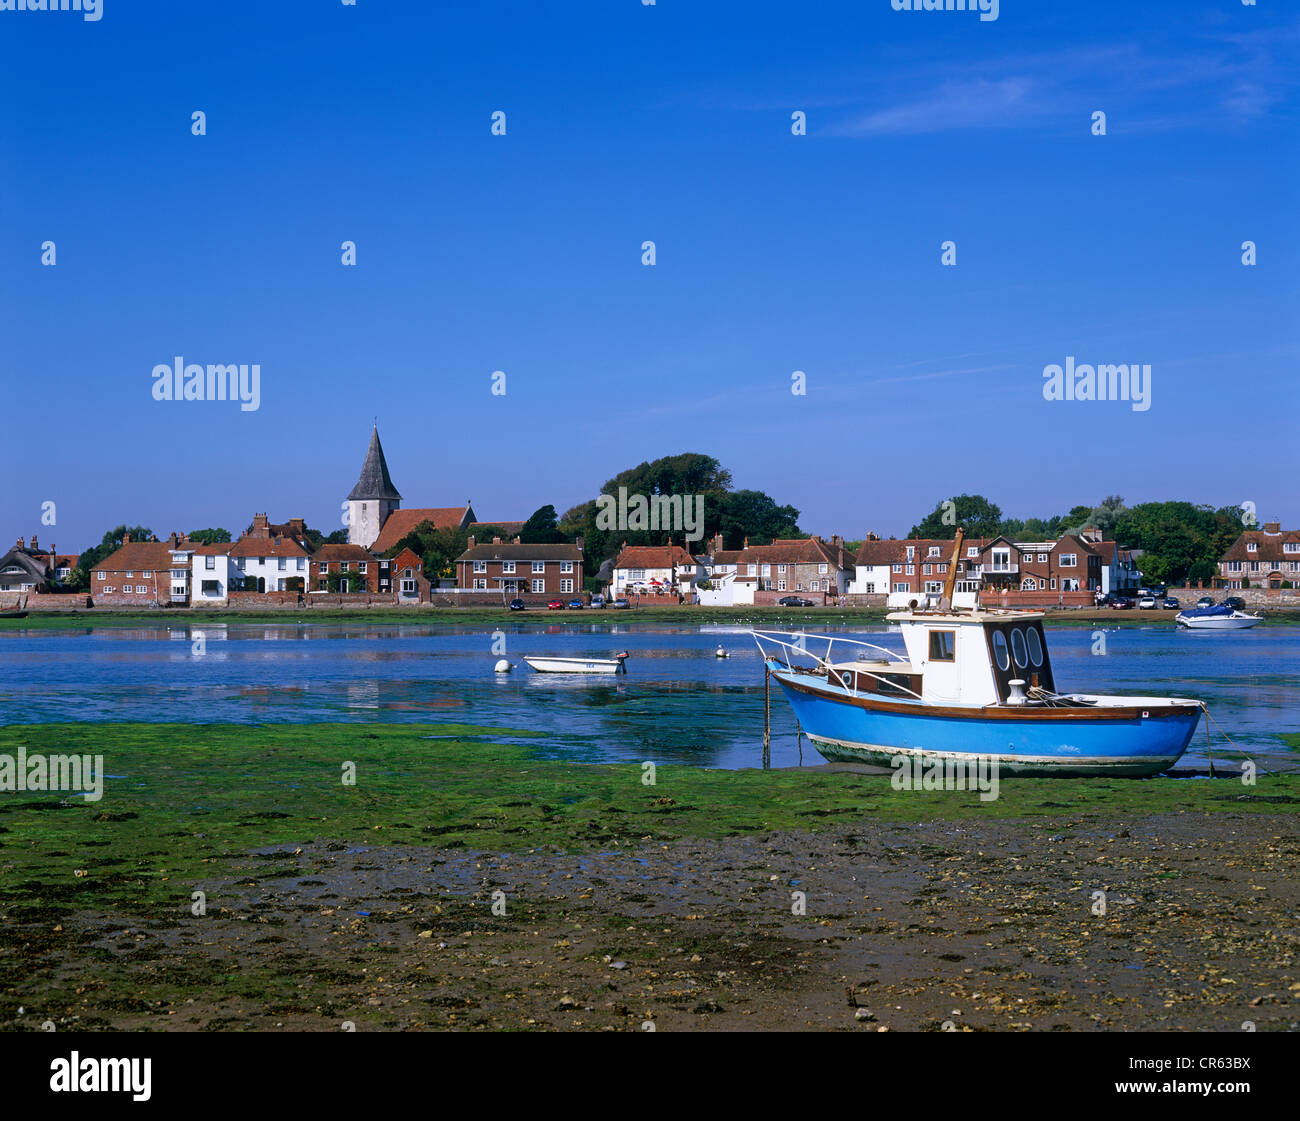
x=375 y=482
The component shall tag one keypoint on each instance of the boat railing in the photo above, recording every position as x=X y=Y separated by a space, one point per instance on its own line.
x=824 y=664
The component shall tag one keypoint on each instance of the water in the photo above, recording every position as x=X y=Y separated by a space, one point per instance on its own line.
x=677 y=703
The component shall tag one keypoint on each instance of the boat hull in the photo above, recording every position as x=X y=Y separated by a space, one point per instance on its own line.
x=598 y=666
x=1144 y=739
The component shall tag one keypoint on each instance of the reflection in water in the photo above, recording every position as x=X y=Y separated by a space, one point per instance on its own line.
x=677 y=702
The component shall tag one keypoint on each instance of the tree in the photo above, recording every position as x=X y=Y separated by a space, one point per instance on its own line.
x=543 y=528
x=210 y=536
x=754 y=515
x=973 y=512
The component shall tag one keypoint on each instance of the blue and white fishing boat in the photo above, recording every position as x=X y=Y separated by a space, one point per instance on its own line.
x=974 y=686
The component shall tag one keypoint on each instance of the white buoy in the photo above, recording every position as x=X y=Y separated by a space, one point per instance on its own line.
x=721 y=652
x=503 y=666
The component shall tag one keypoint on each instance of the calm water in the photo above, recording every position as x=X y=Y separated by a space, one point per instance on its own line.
x=677 y=703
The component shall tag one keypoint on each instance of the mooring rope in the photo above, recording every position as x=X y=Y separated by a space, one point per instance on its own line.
x=1210 y=720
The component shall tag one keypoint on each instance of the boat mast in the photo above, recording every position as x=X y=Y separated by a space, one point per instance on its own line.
x=945 y=603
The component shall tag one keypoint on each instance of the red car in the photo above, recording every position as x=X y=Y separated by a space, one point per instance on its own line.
x=555 y=605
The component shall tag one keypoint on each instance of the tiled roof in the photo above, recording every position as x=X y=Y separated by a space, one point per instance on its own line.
x=1268 y=546
x=508 y=552
x=401 y=522
x=653 y=556
x=267 y=547
x=342 y=553
x=137 y=556
x=894 y=550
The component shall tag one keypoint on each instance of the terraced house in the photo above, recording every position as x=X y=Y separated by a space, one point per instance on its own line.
x=1262 y=558
x=138 y=574
x=791 y=566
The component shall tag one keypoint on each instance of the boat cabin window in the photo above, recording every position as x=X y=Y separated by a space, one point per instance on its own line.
x=943 y=646
x=1018 y=650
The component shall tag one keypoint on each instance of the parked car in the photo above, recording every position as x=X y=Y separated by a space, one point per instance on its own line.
x=516 y=605
x=598 y=601
x=621 y=604
x=555 y=605
x=1235 y=602
x=794 y=601
x=1119 y=603
x=1160 y=591
x=576 y=604
x=1205 y=601
x=1171 y=602
x=1147 y=603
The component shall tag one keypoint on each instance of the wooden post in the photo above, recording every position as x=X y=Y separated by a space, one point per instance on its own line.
x=767 y=716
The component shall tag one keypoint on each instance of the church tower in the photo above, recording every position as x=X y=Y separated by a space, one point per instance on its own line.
x=373 y=498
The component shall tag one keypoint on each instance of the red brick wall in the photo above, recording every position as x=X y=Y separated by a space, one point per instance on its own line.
x=465 y=576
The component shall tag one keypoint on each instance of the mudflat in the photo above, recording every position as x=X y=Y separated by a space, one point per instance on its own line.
x=239 y=885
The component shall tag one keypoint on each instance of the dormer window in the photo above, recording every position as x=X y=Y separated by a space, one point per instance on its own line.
x=1252 y=547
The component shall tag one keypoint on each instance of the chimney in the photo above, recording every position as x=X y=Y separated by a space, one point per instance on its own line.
x=470 y=543
x=35 y=546
x=21 y=542
x=126 y=539
x=496 y=541
x=1269 y=527
x=260 y=526
x=517 y=541
x=580 y=543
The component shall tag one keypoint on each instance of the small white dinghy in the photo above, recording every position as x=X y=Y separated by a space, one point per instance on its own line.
x=579 y=665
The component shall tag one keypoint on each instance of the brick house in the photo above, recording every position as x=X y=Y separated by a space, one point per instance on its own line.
x=138 y=574
x=358 y=570
x=1069 y=564
x=913 y=567
x=516 y=569
x=409 y=582
x=802 y=565
x=1262 y=558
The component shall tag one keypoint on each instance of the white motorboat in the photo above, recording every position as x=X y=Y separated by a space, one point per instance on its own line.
x=1220 y=617
x=579 y=665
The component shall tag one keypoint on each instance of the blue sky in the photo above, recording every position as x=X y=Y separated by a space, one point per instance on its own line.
x=522 y=253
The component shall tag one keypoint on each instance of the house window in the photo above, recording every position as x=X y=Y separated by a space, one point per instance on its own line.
x=973 y=551
x=301 y=566
x=211 y=587
x=1251 y=547
x=943 y=646
x=343 y=566
x=566 y=566
x=361 y=567
x=933 y=586
x=99 y=576
x=130 y=572
x=324 y=566
x=898 y=568
x=927 y=570
x=281 y=564
x=480 y=585
x=507 y=568
x=911 y=570
x=911 y=551
x=767 y=570
x=903 y=587
x=780 y=585
x=941 y=568
x=1042 y=558
x=539 y=566
x=480 y=566
x=933 y=551
x=322 y=585
x=815 y=586
x=1068 y=560
x=209 y=563
x=126 y=589
x=408 y=587
x=1053 y=583
x=1027 y=557
x=108 y=589
x=1030 y=585
x=539 y=586
x=871 y=589
x=821 y=570
x=780 y=568
x=566 y=585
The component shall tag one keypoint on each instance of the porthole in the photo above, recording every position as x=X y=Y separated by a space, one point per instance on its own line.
x=1018 y=647
x=1000 y=650
x=1035 y=646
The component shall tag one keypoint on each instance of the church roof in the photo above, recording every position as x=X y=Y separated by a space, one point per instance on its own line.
x=375 y=481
